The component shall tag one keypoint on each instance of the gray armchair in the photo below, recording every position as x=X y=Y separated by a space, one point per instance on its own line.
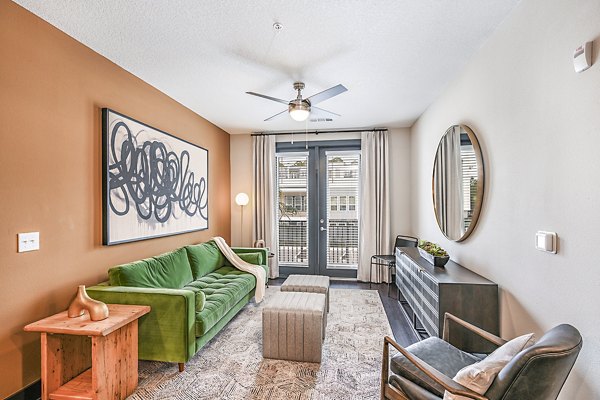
x=424 y=370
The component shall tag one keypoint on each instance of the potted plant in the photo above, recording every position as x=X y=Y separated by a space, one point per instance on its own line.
x=433 y=253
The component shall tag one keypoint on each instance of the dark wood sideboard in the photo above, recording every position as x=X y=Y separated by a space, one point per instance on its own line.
x=432 y=291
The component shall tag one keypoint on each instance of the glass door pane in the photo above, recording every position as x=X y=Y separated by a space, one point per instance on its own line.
x=292 y=214
x=318 y=207
x=342 y=209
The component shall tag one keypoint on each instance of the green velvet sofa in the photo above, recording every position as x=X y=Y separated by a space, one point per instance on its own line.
x=193 y=291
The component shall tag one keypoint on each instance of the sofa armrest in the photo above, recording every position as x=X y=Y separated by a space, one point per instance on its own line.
x=167 y=333
x=264 y=252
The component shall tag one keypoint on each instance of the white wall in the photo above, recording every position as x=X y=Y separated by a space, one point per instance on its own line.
x=538 y=123
x=241 y=179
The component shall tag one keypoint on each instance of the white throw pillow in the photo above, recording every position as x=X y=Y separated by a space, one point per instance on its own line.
x=479 y=376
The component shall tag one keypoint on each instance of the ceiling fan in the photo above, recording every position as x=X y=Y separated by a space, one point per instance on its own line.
x=300 y=109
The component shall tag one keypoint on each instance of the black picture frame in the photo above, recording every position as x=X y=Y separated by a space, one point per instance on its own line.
x=164 y=193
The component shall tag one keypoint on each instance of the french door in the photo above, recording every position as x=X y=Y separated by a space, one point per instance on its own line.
x=319 y=205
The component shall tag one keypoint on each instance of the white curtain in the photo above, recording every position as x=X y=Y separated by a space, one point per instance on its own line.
x=264 y=218
x=374 y=233
x=448 y=185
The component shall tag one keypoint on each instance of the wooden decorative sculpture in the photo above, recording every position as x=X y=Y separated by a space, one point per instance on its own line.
x=82 y=302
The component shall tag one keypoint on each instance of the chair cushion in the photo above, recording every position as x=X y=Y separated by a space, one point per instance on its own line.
x=479 y=376
x=170 y=271
x=223 y=289
x=439 y=354
x=204 y=258
x=411 y=390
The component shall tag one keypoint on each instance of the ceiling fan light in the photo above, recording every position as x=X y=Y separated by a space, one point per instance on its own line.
x=299 y=112
x=299 y=115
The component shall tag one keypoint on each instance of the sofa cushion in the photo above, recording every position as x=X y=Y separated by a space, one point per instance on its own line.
x=170 y=270
x=223 y=289
x=204 y=258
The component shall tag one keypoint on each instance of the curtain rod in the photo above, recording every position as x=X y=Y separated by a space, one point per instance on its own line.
x=314 y=132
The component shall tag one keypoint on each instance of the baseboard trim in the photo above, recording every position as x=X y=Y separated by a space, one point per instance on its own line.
x=31 y=392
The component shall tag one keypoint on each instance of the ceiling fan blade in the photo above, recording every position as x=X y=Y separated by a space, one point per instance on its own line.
x=276 y=115
x=319 y=112
x=326 y=94
x=269 y=98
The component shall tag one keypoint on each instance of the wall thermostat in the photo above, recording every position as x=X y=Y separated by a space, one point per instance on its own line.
x=582 y=58
x=545 y=241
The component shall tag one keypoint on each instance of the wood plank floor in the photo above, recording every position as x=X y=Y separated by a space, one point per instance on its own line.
x=403 y=332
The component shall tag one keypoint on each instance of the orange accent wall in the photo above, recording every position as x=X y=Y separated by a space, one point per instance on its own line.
x=52 y=89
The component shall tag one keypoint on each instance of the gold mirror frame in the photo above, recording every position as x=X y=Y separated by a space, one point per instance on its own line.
x=480 y=183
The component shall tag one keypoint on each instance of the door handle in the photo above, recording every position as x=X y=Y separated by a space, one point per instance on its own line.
x=323 y=229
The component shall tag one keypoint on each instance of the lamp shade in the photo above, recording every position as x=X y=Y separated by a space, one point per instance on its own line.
x=299 y=114
x=242 y=199
x=299 y=110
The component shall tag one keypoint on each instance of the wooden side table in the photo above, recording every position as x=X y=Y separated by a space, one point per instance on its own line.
x=95 y=360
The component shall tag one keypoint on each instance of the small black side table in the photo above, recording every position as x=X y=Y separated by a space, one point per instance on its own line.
x=388 y=261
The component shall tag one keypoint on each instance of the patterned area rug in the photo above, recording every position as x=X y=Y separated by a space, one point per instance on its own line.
x=231 y=365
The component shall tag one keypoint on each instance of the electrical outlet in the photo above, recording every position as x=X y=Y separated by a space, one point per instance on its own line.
x=29 y=241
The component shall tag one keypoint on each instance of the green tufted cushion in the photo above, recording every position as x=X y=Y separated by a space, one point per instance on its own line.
x=204 y=258
x=170 y=271
x=223 y=289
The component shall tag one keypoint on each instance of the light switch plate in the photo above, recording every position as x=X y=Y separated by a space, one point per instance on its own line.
x=29 y=241
x=546 y=241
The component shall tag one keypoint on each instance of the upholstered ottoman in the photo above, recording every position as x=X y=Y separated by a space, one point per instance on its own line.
x=308 y=284
x=294 y=326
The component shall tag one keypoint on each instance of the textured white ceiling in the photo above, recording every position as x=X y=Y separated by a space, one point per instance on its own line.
x=394 y=56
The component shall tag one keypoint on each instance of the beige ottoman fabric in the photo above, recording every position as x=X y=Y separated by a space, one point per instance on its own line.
x=309 y=284
x=294 y=326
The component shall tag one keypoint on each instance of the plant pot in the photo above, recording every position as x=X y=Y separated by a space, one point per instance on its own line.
x=433 y=260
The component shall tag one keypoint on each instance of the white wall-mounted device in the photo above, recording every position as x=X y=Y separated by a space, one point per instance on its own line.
x=29 y=241
x=582 y=58
x=546 y=241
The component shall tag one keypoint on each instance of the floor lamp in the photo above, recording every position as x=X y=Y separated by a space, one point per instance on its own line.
x=241 y=200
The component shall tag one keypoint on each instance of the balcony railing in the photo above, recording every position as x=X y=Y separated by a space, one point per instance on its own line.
x=342 y=250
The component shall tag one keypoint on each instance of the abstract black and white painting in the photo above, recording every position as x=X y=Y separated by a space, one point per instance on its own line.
x=154 y=184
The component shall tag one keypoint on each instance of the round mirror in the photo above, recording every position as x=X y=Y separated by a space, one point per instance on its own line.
x=458 y=182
